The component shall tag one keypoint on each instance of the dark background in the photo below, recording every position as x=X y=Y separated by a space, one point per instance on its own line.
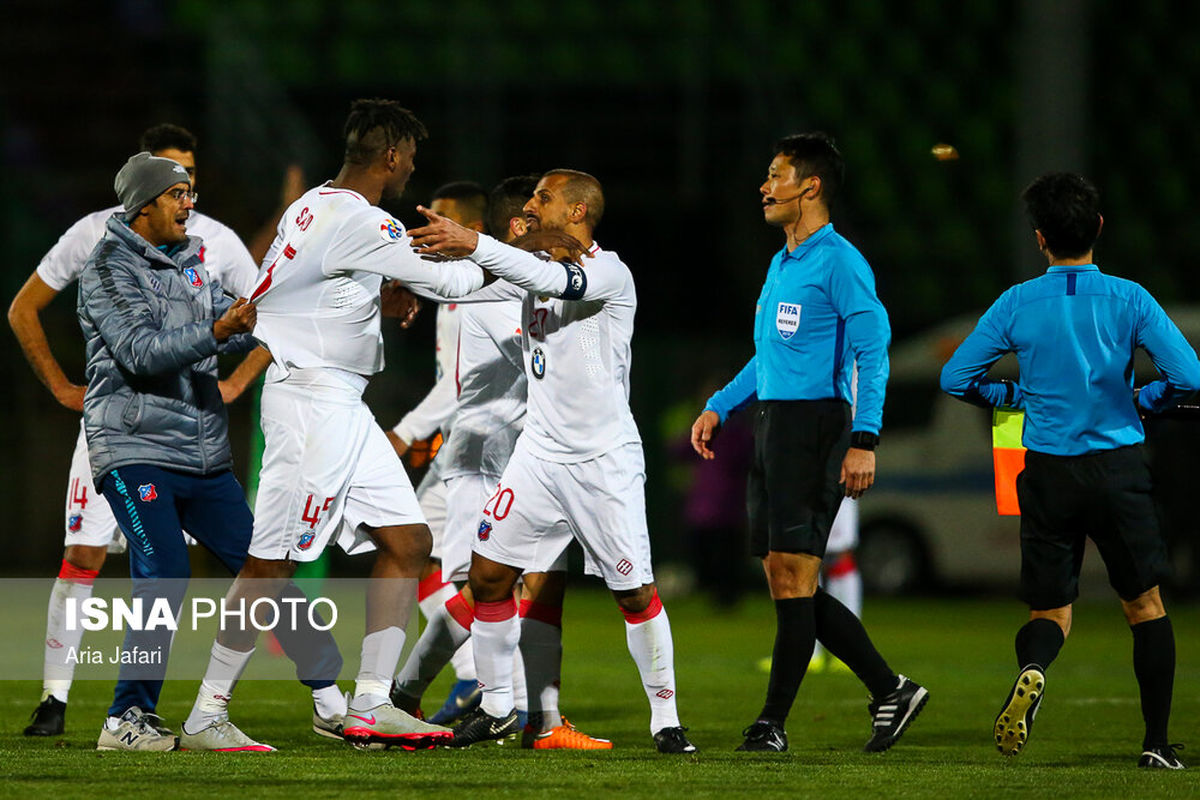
x=673 y=105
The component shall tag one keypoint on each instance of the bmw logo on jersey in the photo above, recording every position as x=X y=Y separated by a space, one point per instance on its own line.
x=537 y=363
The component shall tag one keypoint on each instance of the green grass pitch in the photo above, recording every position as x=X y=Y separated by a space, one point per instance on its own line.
x=1085 y=743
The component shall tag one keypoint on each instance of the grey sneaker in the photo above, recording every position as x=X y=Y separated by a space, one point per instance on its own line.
x=137 y=731
x=221 y=736
x=385 y=724
x=329 y=727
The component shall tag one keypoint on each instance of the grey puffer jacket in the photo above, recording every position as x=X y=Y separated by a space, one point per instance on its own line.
x=152 y=395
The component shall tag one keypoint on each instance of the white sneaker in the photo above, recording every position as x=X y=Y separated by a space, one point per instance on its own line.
x=139 y=731
x=330 y=727
x=386 y=724
x=221 y=736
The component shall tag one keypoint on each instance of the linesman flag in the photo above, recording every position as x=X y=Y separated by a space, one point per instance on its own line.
x=1008 y=456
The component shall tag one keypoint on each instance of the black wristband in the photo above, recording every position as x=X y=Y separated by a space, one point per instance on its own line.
x=864 y=440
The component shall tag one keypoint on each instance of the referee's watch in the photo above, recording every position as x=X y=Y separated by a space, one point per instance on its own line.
x=864 y=440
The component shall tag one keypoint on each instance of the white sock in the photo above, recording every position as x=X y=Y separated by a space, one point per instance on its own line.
x=463 y=661
x=329 y=702
x=430 y=603
x=541 y=649
x=520 y=688
x=225 y=666
x=496 y=632
x=380 y=652
x=846 y=585
x=444 y=634
x=653 y=651
x=57 y=671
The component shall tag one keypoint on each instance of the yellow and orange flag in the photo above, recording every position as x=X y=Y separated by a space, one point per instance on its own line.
x=1008 y=456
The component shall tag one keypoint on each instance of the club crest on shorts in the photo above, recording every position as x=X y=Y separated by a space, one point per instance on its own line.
x=390 y=230
x=537 y=363
x=485 y=531
x=147 y=492
x=193 y=276
x=306 y=540
x=787 y=319
x=75 y=523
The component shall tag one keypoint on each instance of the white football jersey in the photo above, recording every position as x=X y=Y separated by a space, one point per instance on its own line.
x=577 y=326
x=490 y=379
x=318 y=295
x=436 y=410
x=225 y=257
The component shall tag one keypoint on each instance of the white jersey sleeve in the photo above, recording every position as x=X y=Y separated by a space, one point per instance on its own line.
x=596 y=279
x=64 y=261
x=372 y=241
x=437 y=408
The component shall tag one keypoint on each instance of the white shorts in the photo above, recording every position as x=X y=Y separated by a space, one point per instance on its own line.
x=89 y=520
x=328 y=469
x=530 y=518
x=431 y=495
x=843 y=534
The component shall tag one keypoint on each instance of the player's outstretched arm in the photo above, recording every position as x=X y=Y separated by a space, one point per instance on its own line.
x=25 y=320
x=253 y=365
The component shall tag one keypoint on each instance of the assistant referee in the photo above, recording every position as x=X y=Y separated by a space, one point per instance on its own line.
x=1074 y=331
x=817 y=316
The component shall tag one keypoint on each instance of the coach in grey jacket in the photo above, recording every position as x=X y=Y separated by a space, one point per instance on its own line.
x=154 y=321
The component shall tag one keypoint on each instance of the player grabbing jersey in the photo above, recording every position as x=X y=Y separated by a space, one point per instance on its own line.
x=90 y=529
x=329 y=473
x=577 y=469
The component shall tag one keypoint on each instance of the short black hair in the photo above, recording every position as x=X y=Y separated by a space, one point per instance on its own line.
x=815 y=153
x=468 y=194
x=376 y=124
x=506 y=201
x=1065 y=207
x=167 y=137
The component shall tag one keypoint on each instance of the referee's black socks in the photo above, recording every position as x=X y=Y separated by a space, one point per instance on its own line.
x=795 y=637
x=1038 y=643
x=1154 y=666
x=843 y=634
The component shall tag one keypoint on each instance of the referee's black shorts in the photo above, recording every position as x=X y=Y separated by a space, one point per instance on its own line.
x=793 y=492
x=1104 y=495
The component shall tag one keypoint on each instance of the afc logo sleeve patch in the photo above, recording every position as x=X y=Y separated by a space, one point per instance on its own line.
x=390 y=230
x=787 y=319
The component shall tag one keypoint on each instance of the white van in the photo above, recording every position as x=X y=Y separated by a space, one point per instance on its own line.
x=930 y=520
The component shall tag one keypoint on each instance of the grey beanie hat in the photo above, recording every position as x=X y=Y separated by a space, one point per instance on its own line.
x=143 y=178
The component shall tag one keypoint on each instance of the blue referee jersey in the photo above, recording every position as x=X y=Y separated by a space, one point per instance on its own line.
x=816 y=317
x=1074 y=331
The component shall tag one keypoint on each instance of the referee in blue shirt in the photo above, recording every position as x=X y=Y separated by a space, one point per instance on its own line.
x=1074 y=330
x=817 y=316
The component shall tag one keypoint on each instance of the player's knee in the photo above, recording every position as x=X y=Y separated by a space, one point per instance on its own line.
x=489 y=581
x=408 y=544
x=792 y=574
x=1145 y=607
x=635 y=601
x=85 y=556
x=1061 y=616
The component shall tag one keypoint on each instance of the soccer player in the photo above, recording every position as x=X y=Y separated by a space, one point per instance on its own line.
x=490 y=414
x=91 y=531
x=577 y=468
x=464 y=202
x=1074 y=331
x=329 y=473
x=817 y=317
x=154 y=321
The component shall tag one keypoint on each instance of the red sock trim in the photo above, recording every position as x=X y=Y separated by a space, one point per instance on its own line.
x=498 y=611
x=845 y=565
x=74 y=574
x=542 y=612
x=429 y=584
x=652 y=611
x=460 y=611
